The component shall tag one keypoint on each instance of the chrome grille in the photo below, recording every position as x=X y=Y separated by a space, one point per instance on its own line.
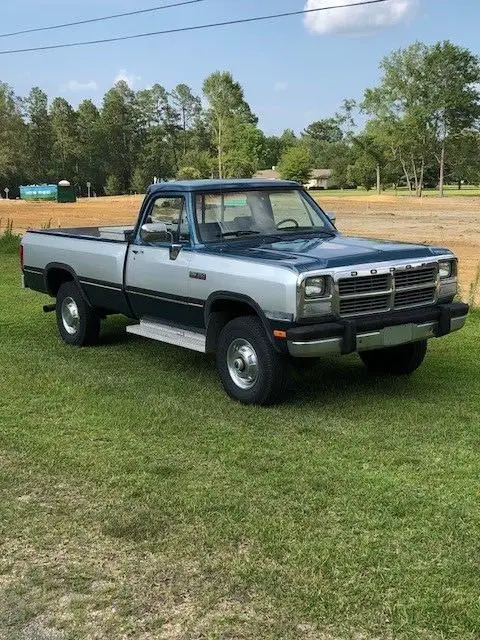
x=353 y=306
x=414 y=297
x=416 y=277
x=367 y=284
x=386 y=292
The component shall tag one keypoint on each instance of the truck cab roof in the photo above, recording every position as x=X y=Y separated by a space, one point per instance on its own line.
x=219 y=185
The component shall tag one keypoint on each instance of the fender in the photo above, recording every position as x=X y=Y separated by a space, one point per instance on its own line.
x=68 y=269
x=238 y=297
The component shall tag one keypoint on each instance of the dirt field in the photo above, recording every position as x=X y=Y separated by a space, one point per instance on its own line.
x=451 y=222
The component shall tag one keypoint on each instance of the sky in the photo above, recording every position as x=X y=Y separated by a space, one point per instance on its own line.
x=293 y=70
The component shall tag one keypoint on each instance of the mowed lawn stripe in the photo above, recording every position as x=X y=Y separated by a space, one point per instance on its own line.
x=139 y=501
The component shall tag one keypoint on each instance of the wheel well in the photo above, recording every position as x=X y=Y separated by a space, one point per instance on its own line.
x=56 y=277
x=221 y=312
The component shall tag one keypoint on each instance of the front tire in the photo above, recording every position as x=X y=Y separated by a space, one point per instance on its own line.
x=77 y=322
x=251 y=371
x=401 y=360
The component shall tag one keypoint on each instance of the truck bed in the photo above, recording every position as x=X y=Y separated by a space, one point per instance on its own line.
x=116 y=233
x=96 y=255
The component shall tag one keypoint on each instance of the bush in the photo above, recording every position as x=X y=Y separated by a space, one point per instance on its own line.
x=200 y=161
x=140 y=181
x=296 y=164
x=188 y=173
x=9 y=241
x=113 y=186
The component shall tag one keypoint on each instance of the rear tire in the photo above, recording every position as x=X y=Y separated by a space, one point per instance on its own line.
x=251 y=371
x=78 y=323
x=401 y=360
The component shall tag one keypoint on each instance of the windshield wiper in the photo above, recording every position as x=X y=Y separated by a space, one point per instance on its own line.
x=238 y=233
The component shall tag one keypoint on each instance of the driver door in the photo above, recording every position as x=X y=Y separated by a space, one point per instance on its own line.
x=157 y=286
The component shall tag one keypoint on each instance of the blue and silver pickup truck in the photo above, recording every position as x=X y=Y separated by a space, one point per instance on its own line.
x=253 y=271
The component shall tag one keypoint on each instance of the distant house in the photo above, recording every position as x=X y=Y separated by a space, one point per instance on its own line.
x=318 y=180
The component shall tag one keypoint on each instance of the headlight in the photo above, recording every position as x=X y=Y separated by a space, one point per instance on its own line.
x=315 y=288
x=445 y=268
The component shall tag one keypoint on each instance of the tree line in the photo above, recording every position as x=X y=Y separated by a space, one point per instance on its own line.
x=418 y=127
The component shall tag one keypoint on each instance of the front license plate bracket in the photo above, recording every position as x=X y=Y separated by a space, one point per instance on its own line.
x=399 y=334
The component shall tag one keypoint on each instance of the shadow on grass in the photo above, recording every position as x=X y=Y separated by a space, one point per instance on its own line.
x=330 y=382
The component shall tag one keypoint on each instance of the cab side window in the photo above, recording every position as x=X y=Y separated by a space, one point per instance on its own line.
x=172 y=212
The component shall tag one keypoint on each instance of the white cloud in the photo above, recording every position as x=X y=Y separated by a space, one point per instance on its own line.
x=280 y=86
x=130 y=78
x=77 y=87
x=356 y=20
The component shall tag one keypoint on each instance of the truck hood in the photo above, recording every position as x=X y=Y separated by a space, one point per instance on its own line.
x=323 y=252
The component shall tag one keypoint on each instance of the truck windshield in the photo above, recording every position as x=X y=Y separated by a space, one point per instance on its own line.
x=259 y=213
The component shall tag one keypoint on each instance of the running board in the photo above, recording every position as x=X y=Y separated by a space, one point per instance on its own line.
x=170 y=335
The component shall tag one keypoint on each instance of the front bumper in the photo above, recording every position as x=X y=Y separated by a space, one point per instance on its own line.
x=378 y=332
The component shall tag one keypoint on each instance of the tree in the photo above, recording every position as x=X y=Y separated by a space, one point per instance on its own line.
x=272 y=149
x=288 y=139
x=324 y=131
x=140 y=181
x=188 y=173
x=296 y=164
x=202 y=161
x=399 y=102
x=371 y=156
x=425 y=95
x=189 y=107
x=453 y=91
x=340 y=158
x=92 y=147
x=244 y=149
x=113 y=186
x=40 y=139
x=120 y=126
x=12 y=137
x=64 y=137
x=226 y=102
x=463 y=152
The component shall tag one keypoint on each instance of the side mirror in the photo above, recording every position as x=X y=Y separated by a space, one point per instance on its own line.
x=155 y=232
x=332 y=216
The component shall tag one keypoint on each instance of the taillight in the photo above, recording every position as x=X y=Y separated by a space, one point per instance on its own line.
x=20 y=253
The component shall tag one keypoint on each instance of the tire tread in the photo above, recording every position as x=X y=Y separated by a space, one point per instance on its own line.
x=89 y=330
x=274 y=369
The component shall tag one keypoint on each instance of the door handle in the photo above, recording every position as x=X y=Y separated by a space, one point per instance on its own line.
x=137 y=250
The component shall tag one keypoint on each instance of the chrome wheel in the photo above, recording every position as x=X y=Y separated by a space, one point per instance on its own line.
x=70 y=316
x=242 y=363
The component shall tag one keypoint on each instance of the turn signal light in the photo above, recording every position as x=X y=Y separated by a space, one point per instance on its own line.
x=278 y=333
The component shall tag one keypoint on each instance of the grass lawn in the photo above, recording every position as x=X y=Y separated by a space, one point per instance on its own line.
x=450 y=191
x=138 y=501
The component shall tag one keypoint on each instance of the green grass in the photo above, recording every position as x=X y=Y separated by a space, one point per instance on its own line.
x=138 y=501
x=9 y=241
x=450 y=191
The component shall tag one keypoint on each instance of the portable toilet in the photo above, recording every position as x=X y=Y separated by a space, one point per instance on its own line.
x=66 y=193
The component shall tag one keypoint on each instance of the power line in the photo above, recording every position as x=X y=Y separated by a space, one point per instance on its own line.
x=90 y=20
x=192 y=28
